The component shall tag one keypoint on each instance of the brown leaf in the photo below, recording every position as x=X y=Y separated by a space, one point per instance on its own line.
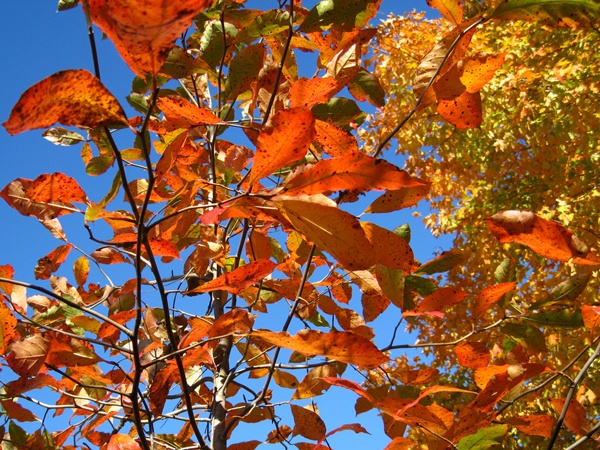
x=28 y=355
x=144 y=34
x=340 y=346
x=308 y=423
x=546 y=238
x=353 y=171
x=70 y=97
x=333 y=230
x=16 y=412
x=283 y=141
x=50 y=263
x=240 y=279
x=313 y=385
x=108 y=255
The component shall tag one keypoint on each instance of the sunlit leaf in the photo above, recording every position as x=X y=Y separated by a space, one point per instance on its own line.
x=339 y=15
x=472 y=354
x=576 y=419
x=569 y=13
x=308 y=423
x=56 y=187
x=394 y=200
x=144 y=36
x=8 y=328
x=122 y=442
x=491 y=295
x=70 y=97
x=27 y=355
x=451 y=10
x=337 y=345
x=538 y=425
x=310 y=92
x=435 y=302
x=334 y=140
x=238 y=280
x=544 y=237
x=484 y=438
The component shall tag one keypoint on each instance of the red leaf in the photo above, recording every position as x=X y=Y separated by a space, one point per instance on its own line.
x=283 y=141
x=122 y=442
x=185 y=113
x=236 y=320
x=576 y=419
x=539 y=425
x=144 y=35
x=55 y=188
x=335 y=140
x=70 y=97
x=491 y=295
x=546 y=238
x=353 y=171
x=240 y=279
x=340 y=346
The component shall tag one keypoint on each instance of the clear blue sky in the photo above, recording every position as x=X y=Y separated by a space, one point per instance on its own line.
x=36 y=42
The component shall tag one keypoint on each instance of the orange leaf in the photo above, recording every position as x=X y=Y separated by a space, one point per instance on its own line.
x=463 y=111
x=308 y=423
x=144 y=33
x=50 y=263
x=240 y=279
x=416 y=376
x=391 y=250
x=576 y=419
x=472 y=354
x=185 y=113
x=332 y=229
x=393 y=200
x=353 y=171
x=478 y=69
x=546 y=238
x=250 y=445
x=55 y=188
x=313 y=385
x=451 y=10
x=401 y=443
x=337 y=345
x=108 y=255
x=236 y=320
x=357 y=428
x=540 y=425
x=70 y=97
x=8 y=328
x=334 y=140
x=162 y=247
x=284 y=140
x=491 y=295
x=7 y=272
x=306 y=93
x=432 y=304
x=16 y=412
x=122 y=442
x=591 y=317
x=28 y=355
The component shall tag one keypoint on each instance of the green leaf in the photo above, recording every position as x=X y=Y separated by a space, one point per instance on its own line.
x=565 y=292
x=318 y=320
x=526 y=335
x=267 y=24
x=141 y=86
x=98 y=165
x=17 y=434
x=443 y=263
x=138 y=102
x=366 y=86
x=484 y=439
x=404 y=232
x=62 y=136
x=339 y=111
x=340 y=15
x=63 y=5
x=422 y=286
x=244 y=69
x=391 y=282
x=506 y=271
x=112 y=193
x=563 y=13
x=212 y=45
x=180 y=64
x=569 y=318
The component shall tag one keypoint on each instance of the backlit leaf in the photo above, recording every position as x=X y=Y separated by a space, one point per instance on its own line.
x=366 y=86
x=538 y=425
x=484 y=438
x=51 y=262
x=435 y=302
x=544 y=237
x=463 y=111
x=340 y=15
x=144 y=36
x=337 y=345
x=390 y=249
x=308 y=423
x=186 y=113
x=310 y=92
x=240 y=279
x=334 y=140
x=122 y=442
x=451 y=10
x=56 y=187
x=576 y=419
x=491 y=295
x=70 y=97
x=8 y=328
x=472 y=354
x=244 y=69
x=566 y=292
x=568 y=13
x=333 y=230
x=353 y=171
x=284 y=140
x=443 y=263
x=17 y=412
x=394 y=200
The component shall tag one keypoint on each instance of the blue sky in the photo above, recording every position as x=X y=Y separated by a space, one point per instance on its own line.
x=36 y=42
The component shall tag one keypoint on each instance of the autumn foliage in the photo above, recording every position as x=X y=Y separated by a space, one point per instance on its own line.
x=247 y=262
